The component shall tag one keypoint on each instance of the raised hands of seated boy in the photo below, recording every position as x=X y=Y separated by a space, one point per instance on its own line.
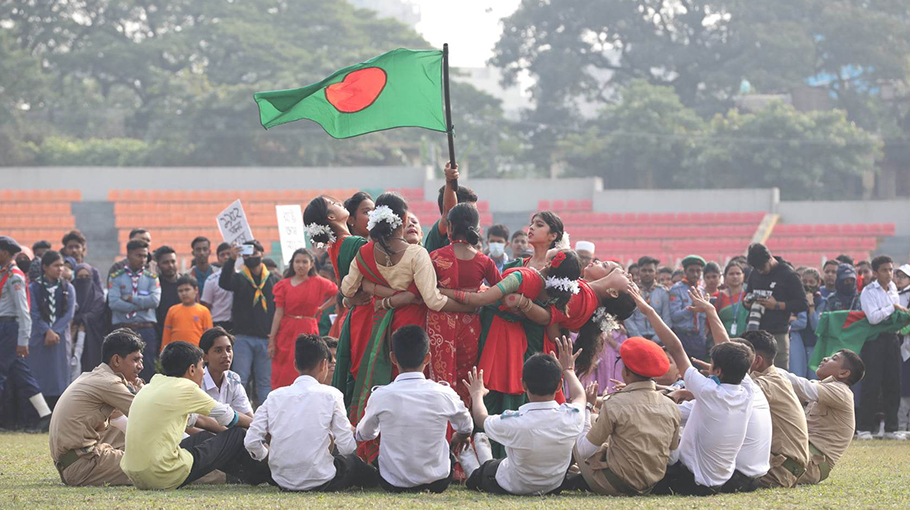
x=700 y=302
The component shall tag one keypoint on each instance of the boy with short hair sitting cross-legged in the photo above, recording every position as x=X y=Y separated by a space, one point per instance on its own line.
x=303 y=420
x=155 y=457
x=538 y=437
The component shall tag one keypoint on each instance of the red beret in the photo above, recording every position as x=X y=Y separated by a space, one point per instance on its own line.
x=644 y=357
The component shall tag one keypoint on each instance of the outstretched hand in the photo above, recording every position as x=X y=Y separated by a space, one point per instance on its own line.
x=475 y=385
x=566 y=358
x=700 y=301
x=640 y=302
x=451 y=173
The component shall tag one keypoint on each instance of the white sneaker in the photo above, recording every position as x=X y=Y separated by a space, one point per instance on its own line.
x=864 y=435
x=468 y=460
x=483 y=447
x=894 y=436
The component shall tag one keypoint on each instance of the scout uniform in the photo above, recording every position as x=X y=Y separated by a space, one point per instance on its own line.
x=138 y=314
x=688 y=326
x=830 y=420
x=15 y=329
x=82 y=415
x=635 y=432
x=790 y=435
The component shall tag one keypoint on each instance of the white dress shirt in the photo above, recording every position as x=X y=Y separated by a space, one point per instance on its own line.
x=716 y=428
x=220 y=299
x=538 y=439
x=413 y=414
x=302 y=419
x=231 y=391
x=754 y=458
x=878 y=303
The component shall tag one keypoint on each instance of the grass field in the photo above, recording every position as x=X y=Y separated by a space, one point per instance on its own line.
x=871 y=475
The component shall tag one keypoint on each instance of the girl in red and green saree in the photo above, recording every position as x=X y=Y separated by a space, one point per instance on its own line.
x=729 y=304
x=329 y=222
x=546 y=232
x=454 y=336
x=507 y=337
x=388 y=260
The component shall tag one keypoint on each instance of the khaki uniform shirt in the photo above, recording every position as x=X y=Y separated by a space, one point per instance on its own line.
x=790 y=435
x=831 y=424
x=637 y=428
x=84 y=409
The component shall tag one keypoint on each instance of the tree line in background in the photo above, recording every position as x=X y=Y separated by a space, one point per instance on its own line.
x=155 y=82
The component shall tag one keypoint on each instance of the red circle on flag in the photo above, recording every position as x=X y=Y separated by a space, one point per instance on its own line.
x=358 y=90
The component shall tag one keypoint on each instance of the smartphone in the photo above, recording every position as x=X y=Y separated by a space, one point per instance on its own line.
x=246 y=249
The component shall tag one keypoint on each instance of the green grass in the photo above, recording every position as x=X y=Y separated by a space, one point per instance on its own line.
x=871 y=475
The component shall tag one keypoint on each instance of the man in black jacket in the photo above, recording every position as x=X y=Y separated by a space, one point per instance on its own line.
x=252 y=313
x=775 y=292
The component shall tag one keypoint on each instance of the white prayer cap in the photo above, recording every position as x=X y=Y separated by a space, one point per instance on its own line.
x=584 y=246
x=904 y=269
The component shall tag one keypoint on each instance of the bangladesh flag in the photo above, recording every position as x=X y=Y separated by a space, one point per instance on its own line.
x=401 y=88
x=850 y=330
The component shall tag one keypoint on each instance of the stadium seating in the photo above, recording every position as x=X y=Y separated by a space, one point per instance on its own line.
x=812 y=244
x=35 y=214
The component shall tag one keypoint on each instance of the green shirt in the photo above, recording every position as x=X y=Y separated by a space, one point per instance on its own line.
x=435 y=239
x=153 y=458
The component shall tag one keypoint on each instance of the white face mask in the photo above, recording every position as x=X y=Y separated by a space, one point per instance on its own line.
x=497 y=249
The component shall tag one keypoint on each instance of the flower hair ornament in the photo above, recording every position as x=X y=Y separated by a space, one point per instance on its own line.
x=604 y=320
x=315 y=229
x=383 y=213
x=564 y=243
x=558 y=259
x=563 y=284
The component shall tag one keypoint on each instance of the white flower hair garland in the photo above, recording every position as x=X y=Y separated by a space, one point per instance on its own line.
x=315 y=229
x=383 y=213
x=606 y=321
x=563 y=284
x=564 y=243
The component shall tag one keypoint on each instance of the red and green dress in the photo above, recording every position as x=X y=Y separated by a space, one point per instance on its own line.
x=353 y=326
x=413 y=273
x=454 y=336
x=732 y=313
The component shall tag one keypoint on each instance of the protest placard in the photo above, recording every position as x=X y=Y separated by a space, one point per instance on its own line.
x=290 y=230
x=234 y=227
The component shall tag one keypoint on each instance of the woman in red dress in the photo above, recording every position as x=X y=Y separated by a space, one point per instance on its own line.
x=454 y=336
x=299 y=299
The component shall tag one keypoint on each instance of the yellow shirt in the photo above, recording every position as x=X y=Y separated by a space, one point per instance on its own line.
x=153 y=458
x=186 y=324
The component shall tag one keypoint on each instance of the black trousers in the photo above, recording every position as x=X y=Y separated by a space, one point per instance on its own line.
x=882 y=358
x=224 y=451
x=680 y=480
x=435 y=487
x=350 y=471
x=739 y=483
x=483 y=479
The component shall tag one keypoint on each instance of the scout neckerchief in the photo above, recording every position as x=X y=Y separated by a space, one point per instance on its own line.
x=50 y=291
x=258 y=296
x=134 y=280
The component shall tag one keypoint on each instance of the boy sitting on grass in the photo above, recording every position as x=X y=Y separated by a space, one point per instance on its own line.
x=829 y=413
x=413 y=415
x=716 y=425
x=155 y=456
x=538 y=437
x=185 y=322
x=304 y=420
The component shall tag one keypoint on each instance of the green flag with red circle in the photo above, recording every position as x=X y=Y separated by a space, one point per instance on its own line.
x=401 y=88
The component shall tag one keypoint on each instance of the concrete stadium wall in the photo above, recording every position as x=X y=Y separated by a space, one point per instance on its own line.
x=849 y=211
x=522 y=195
x=702 y=200
x=95 y=182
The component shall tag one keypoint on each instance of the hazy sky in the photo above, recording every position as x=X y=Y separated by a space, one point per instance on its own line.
x=471 y=27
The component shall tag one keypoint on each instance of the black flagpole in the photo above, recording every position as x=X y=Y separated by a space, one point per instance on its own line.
x=449 y=128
